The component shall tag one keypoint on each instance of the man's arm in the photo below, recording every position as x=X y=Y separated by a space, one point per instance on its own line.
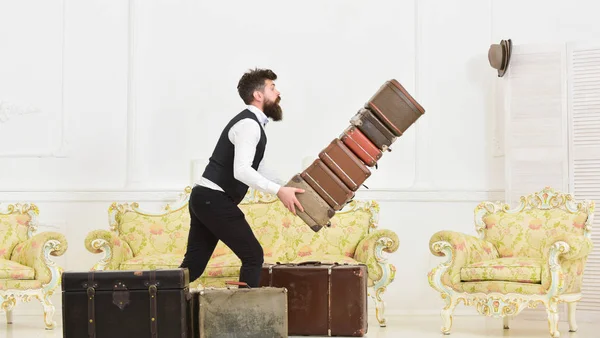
x=245 y=135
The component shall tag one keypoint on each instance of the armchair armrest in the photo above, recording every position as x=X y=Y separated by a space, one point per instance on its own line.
x=461 y=249
x=35 y=252
x=114 y=248
x=562 y=252
x=577 y=246
x=370 y=251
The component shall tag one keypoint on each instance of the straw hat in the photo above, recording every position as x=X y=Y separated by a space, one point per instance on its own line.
x=499 y=56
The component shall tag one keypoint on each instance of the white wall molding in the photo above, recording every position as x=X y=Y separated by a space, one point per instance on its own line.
x=159 y=195
x=8 y=111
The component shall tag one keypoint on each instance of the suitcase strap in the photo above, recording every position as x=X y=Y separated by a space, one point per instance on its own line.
x=91 y=293
x=152 y=290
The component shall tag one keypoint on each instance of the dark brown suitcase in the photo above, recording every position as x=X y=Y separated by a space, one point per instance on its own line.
x=361 y=146
x=323 y=299
x=126 y=304
x=395 y=107
x=373 y=129
x=240 y=312
x=317 y=213
x=345 y=164
x=327 y=185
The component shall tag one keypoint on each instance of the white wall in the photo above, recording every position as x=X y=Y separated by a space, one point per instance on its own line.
x=115 y=100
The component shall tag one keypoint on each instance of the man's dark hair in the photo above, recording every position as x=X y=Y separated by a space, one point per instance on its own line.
x=254 y=80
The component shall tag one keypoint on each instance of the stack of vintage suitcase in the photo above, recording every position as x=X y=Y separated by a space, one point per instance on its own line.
x=331 y=181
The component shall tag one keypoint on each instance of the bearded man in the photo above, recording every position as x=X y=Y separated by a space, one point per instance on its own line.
x=235 y=165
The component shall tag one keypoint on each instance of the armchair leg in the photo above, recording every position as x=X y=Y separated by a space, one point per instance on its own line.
x=505 y=319
x=48 y=312
x=447 y=313
x=572 y=322
x=552 y=310
x=379 y=305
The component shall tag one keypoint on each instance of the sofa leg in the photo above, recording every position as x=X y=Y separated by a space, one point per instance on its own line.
x=552 y=310
x=48 y=312
x=447 y=313
x=379 y=305
x=505 y=319
x=8 y=305
x=9 y=316
x=572 y=321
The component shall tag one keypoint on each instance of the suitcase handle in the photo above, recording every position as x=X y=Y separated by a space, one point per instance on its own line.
x=310 y=263
x=237 y=283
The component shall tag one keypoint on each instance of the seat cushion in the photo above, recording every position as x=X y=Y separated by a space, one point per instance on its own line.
x=14 y=270
x=508 y=269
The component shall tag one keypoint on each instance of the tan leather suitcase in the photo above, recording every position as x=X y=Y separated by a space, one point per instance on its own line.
x=325 y=299
x=239 y=312
x=360 y=145
x=327 y=184
x=317 y=213
x=373 y=129
x=345 y=164
x=395 y=107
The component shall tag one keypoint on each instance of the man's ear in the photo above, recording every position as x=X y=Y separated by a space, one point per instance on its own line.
x=258 y=96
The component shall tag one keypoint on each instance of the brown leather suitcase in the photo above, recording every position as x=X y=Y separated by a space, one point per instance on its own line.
x=126 y=304
x=323 y=299
x=317 y=213
x=345 y=164
x=240 y=312
x=395 y=107
x=327 y=184
x=373 y=129
x=361 y=146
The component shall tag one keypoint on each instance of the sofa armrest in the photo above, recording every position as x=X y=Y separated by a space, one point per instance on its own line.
x=460 y=249
x=114 y=248
x=36 y=251
x=370 y=251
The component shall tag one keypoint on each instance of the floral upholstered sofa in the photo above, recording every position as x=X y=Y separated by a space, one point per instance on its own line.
x=140 y=240
x=26 y=270
x=530 y=255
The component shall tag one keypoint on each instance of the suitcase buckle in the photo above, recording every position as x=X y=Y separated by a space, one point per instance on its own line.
x=120 y=295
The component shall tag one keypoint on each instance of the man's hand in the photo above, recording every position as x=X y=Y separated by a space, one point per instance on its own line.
x=287 y=195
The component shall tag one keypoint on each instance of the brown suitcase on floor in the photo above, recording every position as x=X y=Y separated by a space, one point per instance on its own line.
x=345 y=164
x=126 y=304
x=327 y=185
x=361 y=146
x=373 y=129
x=317 y=213
x=395 y=107
x=240 y=312
x=323 y=299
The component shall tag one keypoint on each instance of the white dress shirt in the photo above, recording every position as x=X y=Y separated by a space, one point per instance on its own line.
x=245 y=135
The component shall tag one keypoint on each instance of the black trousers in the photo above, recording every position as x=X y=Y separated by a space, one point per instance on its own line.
x=214 y=217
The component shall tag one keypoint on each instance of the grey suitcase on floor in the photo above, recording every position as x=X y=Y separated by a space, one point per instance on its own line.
x=240 y=312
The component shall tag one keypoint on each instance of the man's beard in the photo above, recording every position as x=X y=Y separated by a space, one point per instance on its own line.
x=273 y=110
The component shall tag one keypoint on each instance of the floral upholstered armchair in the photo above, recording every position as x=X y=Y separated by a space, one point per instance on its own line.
x=26 y=270
x=144 y=240
x=531 y=255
